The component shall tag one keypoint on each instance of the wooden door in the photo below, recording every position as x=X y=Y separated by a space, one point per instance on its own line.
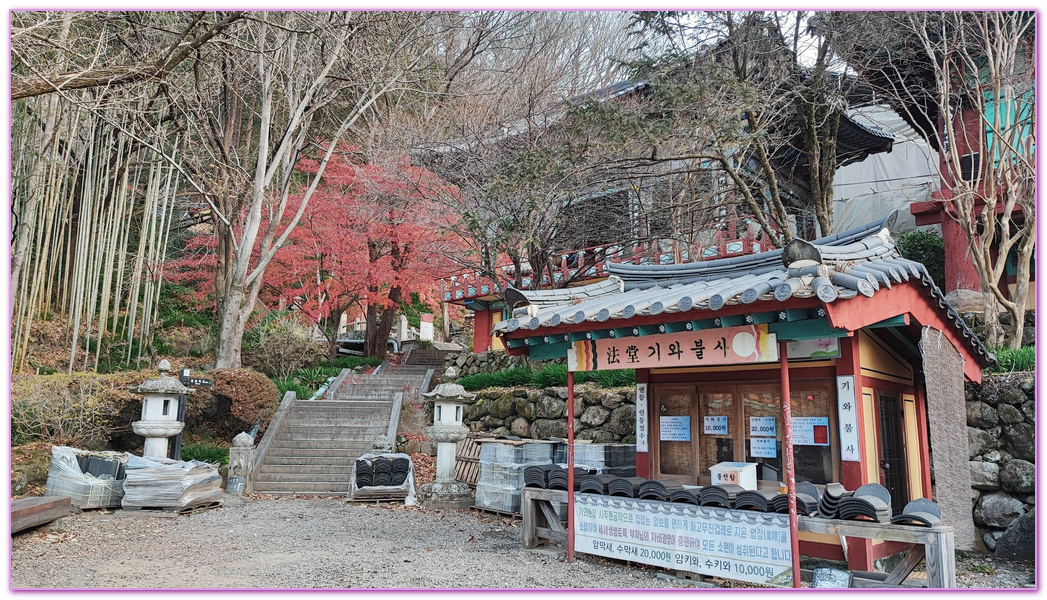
x=674 y=424
x=893 y=466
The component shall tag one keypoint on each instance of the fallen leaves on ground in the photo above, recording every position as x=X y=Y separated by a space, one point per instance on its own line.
x=424 y=468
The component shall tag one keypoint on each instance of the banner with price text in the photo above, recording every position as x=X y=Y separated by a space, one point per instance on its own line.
x=742 y=545
x=726 y=346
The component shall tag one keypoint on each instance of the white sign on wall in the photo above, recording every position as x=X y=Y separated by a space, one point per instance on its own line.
x=674 y=429
x=811 y=431
x=763 y=447
x=762 y=426
x=742 y=545
x=715 y=425
x=847 y=408
x=641 y=417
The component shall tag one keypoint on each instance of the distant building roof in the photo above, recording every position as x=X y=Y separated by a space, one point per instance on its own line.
x=859 y=262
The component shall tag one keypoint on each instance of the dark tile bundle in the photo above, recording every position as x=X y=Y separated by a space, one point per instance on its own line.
x=625 y=487
x=871 y=501
x=721 y=496
x=829 y=503
x=658 y=489
x=595 y=484
x=685 y=496
x=758 y=500
x=920 y=513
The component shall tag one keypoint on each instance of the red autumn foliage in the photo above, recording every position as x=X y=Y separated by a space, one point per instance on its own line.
x=370 y=236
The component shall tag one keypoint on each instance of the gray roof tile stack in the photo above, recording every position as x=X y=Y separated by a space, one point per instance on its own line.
x=863 y=260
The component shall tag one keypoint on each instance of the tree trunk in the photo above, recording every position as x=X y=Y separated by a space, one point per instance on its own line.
x=231 y=332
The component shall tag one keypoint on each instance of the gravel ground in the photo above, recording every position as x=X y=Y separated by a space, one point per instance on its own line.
x=266 y=542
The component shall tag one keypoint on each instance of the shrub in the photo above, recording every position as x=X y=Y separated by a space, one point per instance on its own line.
x=925 y=247
x=478 y=381
x=613 y=379
x=77 y=410
x=351 y=362
x=239 y=399
x=205 y=452
x=279 y=345
x=288 y=384
x=550 y=376
x=1014 y=359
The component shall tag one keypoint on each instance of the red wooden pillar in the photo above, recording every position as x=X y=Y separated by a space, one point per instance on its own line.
x=790 y=472
x=483 y=321
x=959 y=270
x=859 y=550
x=570 y=466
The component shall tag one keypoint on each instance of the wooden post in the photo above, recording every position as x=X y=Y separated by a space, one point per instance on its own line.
x=790 y=472
x=570 y=466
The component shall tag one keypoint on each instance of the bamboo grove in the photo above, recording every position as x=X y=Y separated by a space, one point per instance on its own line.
x=93 y=205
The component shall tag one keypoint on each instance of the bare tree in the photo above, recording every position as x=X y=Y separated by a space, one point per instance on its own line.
x=966 y=80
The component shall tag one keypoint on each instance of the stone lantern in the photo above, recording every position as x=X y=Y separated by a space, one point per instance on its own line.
x=449 y=406
x=159 y=411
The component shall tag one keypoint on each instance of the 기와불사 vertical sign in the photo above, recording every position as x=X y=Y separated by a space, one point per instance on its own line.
x=847 y=408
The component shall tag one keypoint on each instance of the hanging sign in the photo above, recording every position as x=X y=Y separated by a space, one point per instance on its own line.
x=848 y=412
x=641 y=417
x=725 y=346
x=763 y=447
x=762 y=426
x=715 y=426
x=674 y=429
x=811 y=431
x=742 y=545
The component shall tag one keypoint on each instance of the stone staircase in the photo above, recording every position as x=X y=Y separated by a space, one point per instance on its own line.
x=311 y=445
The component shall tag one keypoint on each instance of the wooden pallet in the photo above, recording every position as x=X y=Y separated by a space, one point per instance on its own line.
x=171 y=509
x=382 y=500
x=495 y=511
x=467 y=459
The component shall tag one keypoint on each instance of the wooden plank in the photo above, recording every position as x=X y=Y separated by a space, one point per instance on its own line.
x=544 y=533
x=875 y=531
x=30 y=512
x=527 y=511
x=912 y=558
x=941 y=562
x=551 y=518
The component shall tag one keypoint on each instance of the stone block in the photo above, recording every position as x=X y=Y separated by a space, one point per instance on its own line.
x=1018 y=476
x=521 y=427
x=594 y=416
x=544 y=428
x=502 y=407
x=1020 y=440
x=1018 y=542
x=524 y=407
x=1029 y=409
x=623 y=420
x=428 y=448
x=980 y=441
x=1010 y=413
x=981 y=415
x=998 y=510
x=612 y=400
x=598 y=436
x=493 y=422
x=549 y=408
x=1011 y=395
x=985 y=475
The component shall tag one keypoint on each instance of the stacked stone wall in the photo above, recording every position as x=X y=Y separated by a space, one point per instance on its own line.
x=1001 y=431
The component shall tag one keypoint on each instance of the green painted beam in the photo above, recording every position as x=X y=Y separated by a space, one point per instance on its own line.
x=651 y=329
x=764 y=317
x=699 y=324
x=897 y=321
x=797 y=314
x=732 y=321
x=549 y=351
x=676 y=327
x=901 y=337
x=620 y=332
x=516 y=342
x=805 y=330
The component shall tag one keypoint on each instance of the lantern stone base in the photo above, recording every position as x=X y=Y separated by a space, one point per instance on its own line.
x=445 y=494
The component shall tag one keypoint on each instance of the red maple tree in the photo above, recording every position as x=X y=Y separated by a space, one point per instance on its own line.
x=370 y=237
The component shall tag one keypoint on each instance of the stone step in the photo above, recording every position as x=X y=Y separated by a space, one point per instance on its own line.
x=301 y=487
x=335 y=470
x=346 y=429
x=316 y=447
x=303 y=478
x=350 y=406
x=296 y=460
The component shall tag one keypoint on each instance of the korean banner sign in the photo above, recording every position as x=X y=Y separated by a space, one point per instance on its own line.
x=726 y=346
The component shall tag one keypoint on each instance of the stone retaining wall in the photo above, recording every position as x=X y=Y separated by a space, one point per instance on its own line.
x=467 y=363
x=1001 y=433
x=601 y=415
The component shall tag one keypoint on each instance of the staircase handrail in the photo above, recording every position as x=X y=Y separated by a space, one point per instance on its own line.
x=270 y=434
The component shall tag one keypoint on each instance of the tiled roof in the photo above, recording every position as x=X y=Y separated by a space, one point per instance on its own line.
x=861 y=261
